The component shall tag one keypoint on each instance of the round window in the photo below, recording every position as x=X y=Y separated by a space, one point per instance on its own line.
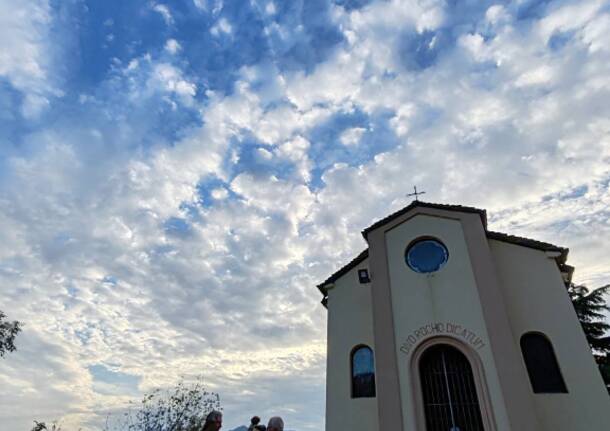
x=426 y=255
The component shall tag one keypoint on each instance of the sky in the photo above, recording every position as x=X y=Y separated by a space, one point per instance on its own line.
x=176 y=177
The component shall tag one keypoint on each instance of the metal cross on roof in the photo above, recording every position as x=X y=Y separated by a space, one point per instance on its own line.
x=416 y=193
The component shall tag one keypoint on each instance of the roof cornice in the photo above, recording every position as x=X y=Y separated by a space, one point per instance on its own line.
x=562 y=252
x=324 y=286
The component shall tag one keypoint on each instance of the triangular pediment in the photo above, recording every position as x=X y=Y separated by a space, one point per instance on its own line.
x=444 y=210
x=414 y=206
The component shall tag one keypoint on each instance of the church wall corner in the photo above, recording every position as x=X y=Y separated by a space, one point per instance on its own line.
x=349 y=324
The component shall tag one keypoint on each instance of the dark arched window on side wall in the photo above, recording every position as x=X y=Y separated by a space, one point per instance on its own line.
x=541 y=363
x=363 y=372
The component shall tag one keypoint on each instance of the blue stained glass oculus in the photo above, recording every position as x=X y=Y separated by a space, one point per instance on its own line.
x=426 y=256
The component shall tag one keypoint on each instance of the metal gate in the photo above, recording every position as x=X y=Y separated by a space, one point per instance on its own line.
x=449 y=392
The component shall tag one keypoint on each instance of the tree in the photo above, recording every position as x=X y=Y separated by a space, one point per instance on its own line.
x=41 y=426
x=590 y=307
x=183 y=408
x=8 y=332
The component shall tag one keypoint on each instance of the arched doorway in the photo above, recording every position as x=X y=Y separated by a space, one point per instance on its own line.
x=448 y=389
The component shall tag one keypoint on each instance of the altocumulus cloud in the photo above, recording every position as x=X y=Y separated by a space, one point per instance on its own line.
x=176 y=177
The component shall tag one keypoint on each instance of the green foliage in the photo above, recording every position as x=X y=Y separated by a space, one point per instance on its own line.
x=182 y=408
x=41 y=426
x=8 y=332
x=604 y=367
x=590 y=307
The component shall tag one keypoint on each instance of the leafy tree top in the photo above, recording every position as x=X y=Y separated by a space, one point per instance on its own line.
x=591 y=306
x=8 y=332
x=182 y=408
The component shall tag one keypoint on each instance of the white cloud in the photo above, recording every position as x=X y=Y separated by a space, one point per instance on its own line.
x=164 y=11
x=27 y=54
x=352 y=136
x=172 y=46
x=201 y=4
x=499 y=120
x=222 y=26
x=220 y=193
x=569 y=17
x=595 y=33
x=270 y=8
x=540 y=75
x=264 y=154
x=168 y=78
x=497 y=14
x=33 y=105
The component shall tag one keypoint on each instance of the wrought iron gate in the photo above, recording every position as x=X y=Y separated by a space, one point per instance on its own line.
x=449 y=391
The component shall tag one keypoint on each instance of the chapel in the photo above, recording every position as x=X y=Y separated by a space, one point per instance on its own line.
x=444 y=325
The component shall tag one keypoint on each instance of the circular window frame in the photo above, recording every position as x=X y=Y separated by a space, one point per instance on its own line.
x=422 y=239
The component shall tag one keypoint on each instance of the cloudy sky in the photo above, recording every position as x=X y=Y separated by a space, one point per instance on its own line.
x=176 y=177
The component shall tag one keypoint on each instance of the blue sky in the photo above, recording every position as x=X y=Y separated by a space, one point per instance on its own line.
x=176 y=177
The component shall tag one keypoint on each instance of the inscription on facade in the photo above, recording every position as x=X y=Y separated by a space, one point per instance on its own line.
x=442 y=328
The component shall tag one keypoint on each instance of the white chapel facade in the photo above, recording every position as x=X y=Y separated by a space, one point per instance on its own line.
x=443 y=325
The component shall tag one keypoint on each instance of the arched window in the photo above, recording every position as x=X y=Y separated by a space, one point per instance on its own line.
x=449 y=391
x=363 y=372
x=541 y=364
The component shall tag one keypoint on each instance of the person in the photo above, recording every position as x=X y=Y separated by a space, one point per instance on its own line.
x=275 y=424
x=213 y=421
x=260 y=427
x=253 y=423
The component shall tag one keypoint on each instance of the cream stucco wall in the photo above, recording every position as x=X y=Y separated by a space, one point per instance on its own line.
x=537 y=301
x=488 y=288
x=449 y=297
x=350 y=323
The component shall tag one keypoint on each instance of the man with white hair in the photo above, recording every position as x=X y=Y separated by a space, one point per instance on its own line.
x=275 y=424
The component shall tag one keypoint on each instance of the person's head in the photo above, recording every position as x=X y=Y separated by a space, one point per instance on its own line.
x=255 y=420
x=275 y=424
x=213 y=421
